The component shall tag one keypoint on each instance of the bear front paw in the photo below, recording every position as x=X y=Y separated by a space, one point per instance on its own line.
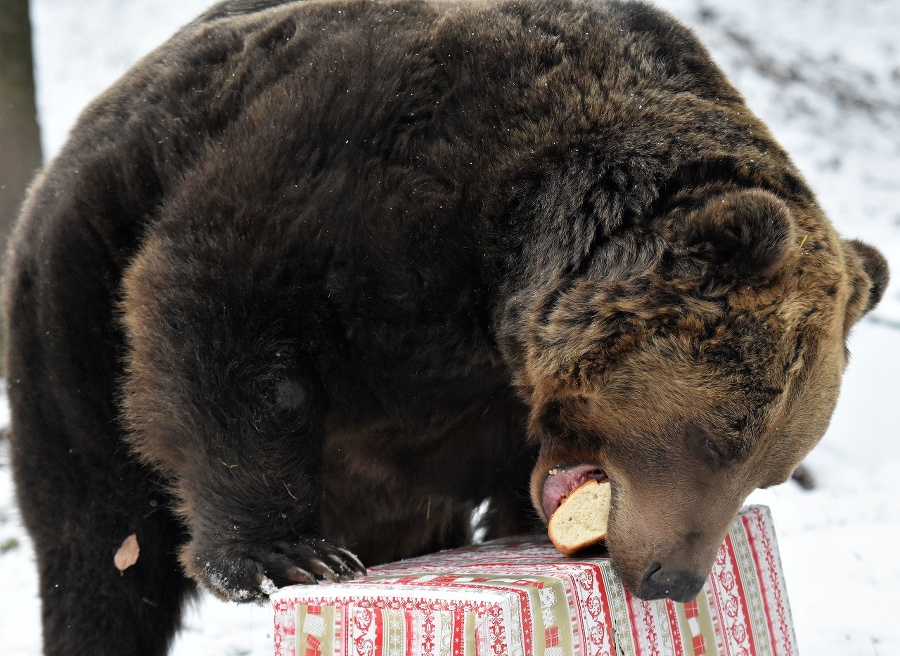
x=242 y=574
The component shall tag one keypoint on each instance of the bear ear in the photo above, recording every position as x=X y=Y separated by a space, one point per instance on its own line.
x=746 y=234
x=869 y=275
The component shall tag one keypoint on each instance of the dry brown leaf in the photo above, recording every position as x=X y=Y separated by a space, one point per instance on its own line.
x=127 y=554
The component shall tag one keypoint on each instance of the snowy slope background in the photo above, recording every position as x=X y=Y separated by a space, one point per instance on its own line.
x=825 y=75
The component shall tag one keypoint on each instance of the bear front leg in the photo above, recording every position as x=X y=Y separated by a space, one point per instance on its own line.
x=254 y=518
x=222 y=396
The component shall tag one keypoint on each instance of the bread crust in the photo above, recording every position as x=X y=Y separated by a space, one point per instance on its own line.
x=581 y=519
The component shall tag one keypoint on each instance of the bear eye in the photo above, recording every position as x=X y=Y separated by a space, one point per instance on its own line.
x=725 y=452
x=713 y=453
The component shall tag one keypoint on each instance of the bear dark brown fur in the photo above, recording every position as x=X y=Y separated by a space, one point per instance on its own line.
x=319 y=276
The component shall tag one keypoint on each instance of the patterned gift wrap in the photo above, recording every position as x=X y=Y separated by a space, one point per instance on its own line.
x=521 y=597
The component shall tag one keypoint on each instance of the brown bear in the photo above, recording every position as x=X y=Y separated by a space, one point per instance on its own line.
x=317 y=278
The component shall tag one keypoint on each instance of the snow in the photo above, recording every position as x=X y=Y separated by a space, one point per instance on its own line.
x=825 y=75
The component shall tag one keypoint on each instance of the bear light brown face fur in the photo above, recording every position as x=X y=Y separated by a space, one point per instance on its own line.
x=702 y=374
x=317 y=279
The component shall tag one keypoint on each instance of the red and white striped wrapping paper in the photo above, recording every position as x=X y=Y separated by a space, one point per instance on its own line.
x=521 y=597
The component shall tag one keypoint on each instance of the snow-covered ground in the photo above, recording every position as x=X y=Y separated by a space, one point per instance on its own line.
x=825 y=75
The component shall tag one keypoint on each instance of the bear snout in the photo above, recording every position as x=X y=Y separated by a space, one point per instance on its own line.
x=659 y=582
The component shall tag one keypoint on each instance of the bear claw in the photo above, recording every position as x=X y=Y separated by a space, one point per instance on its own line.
x=358 y=567
x=297 y=575
x=255 y=574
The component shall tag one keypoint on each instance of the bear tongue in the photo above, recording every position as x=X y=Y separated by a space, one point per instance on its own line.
x=562 y=479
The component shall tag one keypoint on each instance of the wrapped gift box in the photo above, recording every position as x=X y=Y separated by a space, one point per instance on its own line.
x=521 y=597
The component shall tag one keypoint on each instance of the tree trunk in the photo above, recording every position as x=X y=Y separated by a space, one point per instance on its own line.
x=20 y=146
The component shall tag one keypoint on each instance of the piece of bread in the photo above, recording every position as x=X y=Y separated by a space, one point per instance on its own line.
x=580 y=521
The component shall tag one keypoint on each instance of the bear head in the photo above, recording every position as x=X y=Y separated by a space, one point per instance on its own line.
x=691 y=362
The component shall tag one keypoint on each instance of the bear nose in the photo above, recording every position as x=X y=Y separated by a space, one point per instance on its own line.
x=675 y=584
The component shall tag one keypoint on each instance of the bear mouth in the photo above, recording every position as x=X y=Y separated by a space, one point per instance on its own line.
x=562 y=479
